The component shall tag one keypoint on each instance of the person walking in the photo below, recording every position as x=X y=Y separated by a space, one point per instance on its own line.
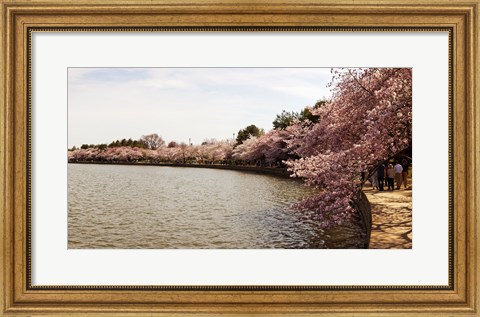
x=390 y=177
x=380 y=176
x=405 y=166
x=398 y=169
x=374 y=180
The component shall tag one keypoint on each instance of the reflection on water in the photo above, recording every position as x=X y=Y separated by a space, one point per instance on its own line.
x=118 y=206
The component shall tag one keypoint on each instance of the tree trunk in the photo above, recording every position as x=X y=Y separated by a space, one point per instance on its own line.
x=362 y=206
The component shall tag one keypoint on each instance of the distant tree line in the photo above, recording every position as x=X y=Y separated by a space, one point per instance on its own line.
x=150 y=141
x=252 y=146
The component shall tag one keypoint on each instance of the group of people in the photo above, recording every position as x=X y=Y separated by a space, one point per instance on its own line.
x=391 y=174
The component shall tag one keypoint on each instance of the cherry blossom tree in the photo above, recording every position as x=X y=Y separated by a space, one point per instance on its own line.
x=83 y=155
x=275 y=144
x=267 y=149
x=219 y=150
x=367 y=121
x=247 y=151
x=169 y=154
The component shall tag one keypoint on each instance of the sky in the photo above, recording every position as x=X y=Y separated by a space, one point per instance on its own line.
x=107 y=104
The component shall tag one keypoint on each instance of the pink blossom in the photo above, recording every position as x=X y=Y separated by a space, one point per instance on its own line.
x=368 y=120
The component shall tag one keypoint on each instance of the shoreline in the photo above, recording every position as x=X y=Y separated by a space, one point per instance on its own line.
x=275 y=171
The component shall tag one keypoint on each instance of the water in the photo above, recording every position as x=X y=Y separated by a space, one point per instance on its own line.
x=120 y=206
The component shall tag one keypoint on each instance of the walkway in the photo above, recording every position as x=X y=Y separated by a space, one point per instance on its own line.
x=391 y=218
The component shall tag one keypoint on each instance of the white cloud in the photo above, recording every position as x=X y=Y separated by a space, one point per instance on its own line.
x=181 y=103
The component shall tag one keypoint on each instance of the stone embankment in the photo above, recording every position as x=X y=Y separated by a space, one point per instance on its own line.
x=362 y=205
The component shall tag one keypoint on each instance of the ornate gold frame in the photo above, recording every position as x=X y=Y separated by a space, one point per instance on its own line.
x=19 y=18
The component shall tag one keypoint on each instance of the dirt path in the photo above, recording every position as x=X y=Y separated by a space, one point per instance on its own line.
x=391 y=218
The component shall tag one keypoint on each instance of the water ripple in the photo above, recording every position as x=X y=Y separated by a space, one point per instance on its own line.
x=111 y=206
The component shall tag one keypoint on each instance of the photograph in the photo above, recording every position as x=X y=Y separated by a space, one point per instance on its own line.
x=239 y=158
